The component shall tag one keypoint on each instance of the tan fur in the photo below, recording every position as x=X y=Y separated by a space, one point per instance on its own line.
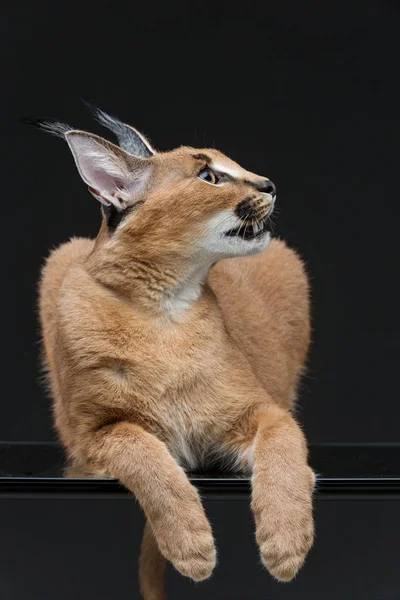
x=151 y=567
x=265 y=304
x=153 y=368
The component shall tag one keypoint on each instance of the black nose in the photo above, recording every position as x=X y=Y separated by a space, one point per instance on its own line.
x=267 y=187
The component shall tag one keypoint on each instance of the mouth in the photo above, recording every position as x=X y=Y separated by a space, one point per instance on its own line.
x=250 y=230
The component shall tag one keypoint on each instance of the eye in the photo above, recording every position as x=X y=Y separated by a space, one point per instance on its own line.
x=208 y=175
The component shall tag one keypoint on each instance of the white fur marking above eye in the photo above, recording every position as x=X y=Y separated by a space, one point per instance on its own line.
x=220 y=168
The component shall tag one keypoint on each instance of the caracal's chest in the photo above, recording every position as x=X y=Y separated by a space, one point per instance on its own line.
x=179 y=357
x=184 y=376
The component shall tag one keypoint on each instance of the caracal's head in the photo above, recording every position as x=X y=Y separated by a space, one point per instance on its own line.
x=189 y=202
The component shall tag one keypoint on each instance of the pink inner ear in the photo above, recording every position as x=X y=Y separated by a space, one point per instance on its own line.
x=98 y=196
x=112 y=178
x=100 y=179
x=98 y=167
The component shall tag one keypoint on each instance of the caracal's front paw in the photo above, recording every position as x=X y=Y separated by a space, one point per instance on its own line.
x=199 y=560
x=189 y=544
x=283 y=553
x=285 y=534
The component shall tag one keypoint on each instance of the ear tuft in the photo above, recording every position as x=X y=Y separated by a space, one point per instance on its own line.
x=128 y=137
x=49 y=125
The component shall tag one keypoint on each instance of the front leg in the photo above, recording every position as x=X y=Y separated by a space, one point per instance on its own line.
x=282 y=486
x=172 y=506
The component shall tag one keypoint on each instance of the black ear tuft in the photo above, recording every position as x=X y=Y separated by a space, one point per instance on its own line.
x=49 y=125
x=128 y=138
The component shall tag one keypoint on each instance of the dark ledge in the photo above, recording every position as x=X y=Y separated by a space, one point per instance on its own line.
x=347 y=471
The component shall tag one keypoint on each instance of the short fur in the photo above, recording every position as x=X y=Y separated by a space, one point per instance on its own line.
x=163 y=357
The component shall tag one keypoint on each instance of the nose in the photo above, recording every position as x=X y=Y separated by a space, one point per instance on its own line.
x=267 y=187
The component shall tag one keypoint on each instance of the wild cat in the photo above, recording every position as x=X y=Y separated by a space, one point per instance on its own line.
x=177 y=337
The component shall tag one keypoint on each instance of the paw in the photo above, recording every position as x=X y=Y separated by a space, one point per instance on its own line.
x=189 y=545
x=285 y=531
x=199 y=562
x=283 y=557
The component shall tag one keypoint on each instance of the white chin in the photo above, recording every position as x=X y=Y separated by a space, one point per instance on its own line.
x=216 y=244
x=241 y=247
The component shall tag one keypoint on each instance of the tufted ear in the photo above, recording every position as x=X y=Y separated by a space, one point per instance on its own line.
x=114 y=177
x=128 y=137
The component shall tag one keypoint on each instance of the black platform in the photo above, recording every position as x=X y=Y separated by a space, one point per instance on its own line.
x=343 y=470
x=64 y=539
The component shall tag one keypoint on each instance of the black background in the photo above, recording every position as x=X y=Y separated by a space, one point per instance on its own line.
x=303 y=92
x=87 y=549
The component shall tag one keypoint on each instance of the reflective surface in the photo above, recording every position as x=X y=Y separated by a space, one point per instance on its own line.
x=74 y=538
x=46 y=460
x=349 y=470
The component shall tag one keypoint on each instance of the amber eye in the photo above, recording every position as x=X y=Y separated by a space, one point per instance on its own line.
x=208 y=175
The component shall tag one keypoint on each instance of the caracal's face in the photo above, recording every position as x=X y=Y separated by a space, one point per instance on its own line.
x=190 y=203
x=201 y=202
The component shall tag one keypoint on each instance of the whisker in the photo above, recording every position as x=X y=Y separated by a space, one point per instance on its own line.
x=271 y=224
x=217 y=227
x=248 y=216
x=244 y=223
